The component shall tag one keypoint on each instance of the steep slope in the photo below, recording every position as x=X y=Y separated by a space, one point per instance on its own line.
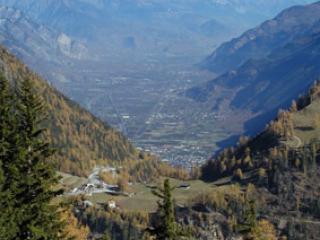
x=283 y=164
x=49 y=52
x=81 y=139
x=61 y=14
x=284 y=138
x=259 y=42
x=262 y=86
x=31 y=40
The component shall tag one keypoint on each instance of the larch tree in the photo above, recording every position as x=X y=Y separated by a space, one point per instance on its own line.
x=264 y=231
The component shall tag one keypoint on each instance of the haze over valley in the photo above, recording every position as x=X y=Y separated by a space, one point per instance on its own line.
x=159 y=119
x=131 y=62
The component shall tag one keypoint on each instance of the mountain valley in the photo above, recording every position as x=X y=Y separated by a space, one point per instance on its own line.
x=140 y=98
x=136 y=135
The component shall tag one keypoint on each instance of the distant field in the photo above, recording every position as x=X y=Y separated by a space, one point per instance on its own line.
x=306 y=121
x=142 y=199
x=70 y=181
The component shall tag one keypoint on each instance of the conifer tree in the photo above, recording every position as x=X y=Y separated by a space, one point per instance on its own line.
x=313 y=149
x=251 y=215
x=39 y=219
x=8 y=227
x=250 y=219
x=27 y=180
x=305 y=161
x=4 y=116
x=4 y=124
x=166 y=228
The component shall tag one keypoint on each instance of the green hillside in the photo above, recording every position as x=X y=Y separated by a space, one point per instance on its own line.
x=307 y=122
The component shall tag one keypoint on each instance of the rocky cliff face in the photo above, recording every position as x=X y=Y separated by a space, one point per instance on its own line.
x=31 y=40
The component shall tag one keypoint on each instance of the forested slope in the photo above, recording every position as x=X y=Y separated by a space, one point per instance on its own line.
x=82 y=140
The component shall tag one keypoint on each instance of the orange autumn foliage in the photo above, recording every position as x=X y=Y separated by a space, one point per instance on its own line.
x=73 y=227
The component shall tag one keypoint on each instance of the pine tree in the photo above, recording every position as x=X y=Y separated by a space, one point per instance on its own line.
x=250 y=219
x=313 y=149
x=34 y=178
x=305 y=161
x=8 y=226
x=4 y=124
x=166 y=228
x=26 y=179
x=3 y=147
x=251 y=215
x=4 y=116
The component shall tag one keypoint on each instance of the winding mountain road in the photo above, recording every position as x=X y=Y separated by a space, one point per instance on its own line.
x=295 y=142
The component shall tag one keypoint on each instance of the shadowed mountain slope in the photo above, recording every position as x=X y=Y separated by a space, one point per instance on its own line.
x=262 y=86
x=262 y=40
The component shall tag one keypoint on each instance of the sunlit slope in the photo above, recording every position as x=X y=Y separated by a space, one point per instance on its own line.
x=81 y=139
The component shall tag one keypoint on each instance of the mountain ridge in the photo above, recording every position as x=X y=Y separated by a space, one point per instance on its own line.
x=260 y=41
x=263 y=85
x=80 y=18
x=21 y=35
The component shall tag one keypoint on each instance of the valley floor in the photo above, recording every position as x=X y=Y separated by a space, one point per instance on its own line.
x=145 y=101
x=139 y=197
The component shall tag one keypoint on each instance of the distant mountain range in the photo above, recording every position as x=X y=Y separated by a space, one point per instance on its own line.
x=269 y=66
x=261 y=41
x=61 y=39
x=154 y=24
x=63 y=31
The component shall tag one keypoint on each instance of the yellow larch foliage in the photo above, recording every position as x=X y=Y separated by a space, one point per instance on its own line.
x=73 y=228
x=264 y=231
